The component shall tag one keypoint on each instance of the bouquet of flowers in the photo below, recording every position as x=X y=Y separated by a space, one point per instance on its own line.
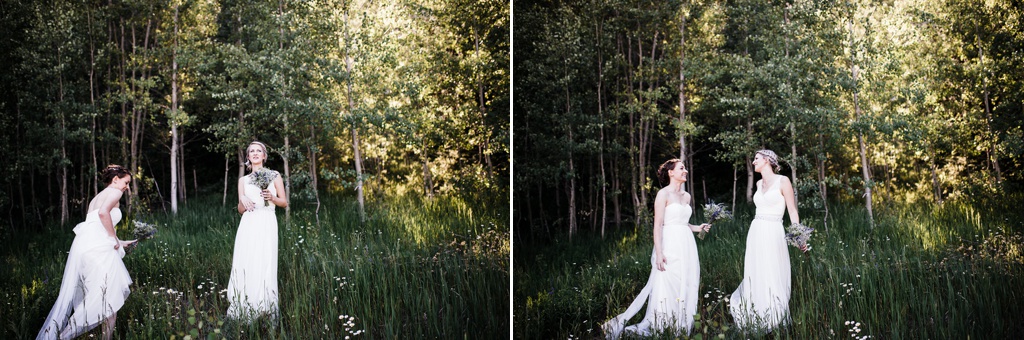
x=798 y=234
x=262 y=179
x=141 y=232
x=714 y=212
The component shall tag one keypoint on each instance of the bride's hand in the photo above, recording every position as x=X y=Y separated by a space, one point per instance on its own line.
x=127 y=243
x=661 y=261
x=247 y=203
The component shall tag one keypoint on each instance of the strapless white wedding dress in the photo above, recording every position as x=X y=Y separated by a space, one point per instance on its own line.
x=671 y=295
x=95 y=284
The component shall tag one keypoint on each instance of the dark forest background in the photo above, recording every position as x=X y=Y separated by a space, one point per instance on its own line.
x=865 y=102
x=353 y=97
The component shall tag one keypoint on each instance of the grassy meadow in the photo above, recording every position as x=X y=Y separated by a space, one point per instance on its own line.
x=418 y=268
x=925 y=271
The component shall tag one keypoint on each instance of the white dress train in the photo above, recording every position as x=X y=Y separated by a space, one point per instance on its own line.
x=762 y=300
x=671 y=295
x=252 y=288
x=95 y=283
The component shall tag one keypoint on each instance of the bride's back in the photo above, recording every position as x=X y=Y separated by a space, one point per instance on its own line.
x=98 y=200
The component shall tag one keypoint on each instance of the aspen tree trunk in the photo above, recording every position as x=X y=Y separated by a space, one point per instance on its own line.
x=735 y=180
x=860 y=140
x=792 y=124
x=992 y=152
x=242 y=151
x=92 y=102
x=572 y=170
x=600 y=113
x=182 y=182
x=173 y=119
x=634 y=160
x=483 y=109
x=355 y=132
x=312 y=170
x=683 y=152
x=822 y=184
x=64 y=214
x=792 y=164
x=287 y=145
x=936 y=186
x=227 y=165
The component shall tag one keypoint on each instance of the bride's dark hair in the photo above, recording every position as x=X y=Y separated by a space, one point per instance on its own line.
x=111 y=171
x=664 y=168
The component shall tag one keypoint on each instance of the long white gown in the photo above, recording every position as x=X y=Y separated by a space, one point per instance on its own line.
x=95 y=283
x=252 y=288
x=762 y=300
x=671 y=295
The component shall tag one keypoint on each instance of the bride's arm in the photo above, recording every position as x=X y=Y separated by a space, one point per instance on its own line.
x=106 y=206
x=787 y=193
x=281 y=199
x=694 y=228
x=659 y=221
x=244 y=203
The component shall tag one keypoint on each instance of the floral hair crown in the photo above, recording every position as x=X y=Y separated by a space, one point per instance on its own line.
x=771 y=156
x=117 y=168
x=265 y=148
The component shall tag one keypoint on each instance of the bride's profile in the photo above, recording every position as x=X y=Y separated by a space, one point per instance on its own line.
x=95 y=282
x=671 y=290
x=252 y=288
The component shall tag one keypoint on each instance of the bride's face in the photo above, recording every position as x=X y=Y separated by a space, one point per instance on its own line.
x=256 y=154
x=122 y=183
x=679 y=172
x=758 y=162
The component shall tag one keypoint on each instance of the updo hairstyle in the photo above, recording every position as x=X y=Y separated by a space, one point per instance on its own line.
x=664 y=168
x=113 y=171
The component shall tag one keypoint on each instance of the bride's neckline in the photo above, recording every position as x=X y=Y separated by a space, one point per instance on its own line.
x=765 y=186
x=671 y=203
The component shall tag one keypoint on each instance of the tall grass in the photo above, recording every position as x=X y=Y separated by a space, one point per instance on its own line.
x=951 y=270
x=418 y=268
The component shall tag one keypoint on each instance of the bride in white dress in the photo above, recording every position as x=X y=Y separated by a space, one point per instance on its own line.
x=252 y=288
x=95 y=283
x=671 y=290
x=762 y=300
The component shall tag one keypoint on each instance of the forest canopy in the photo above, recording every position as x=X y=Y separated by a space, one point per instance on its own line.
x=863 y=101
x=397 y=96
